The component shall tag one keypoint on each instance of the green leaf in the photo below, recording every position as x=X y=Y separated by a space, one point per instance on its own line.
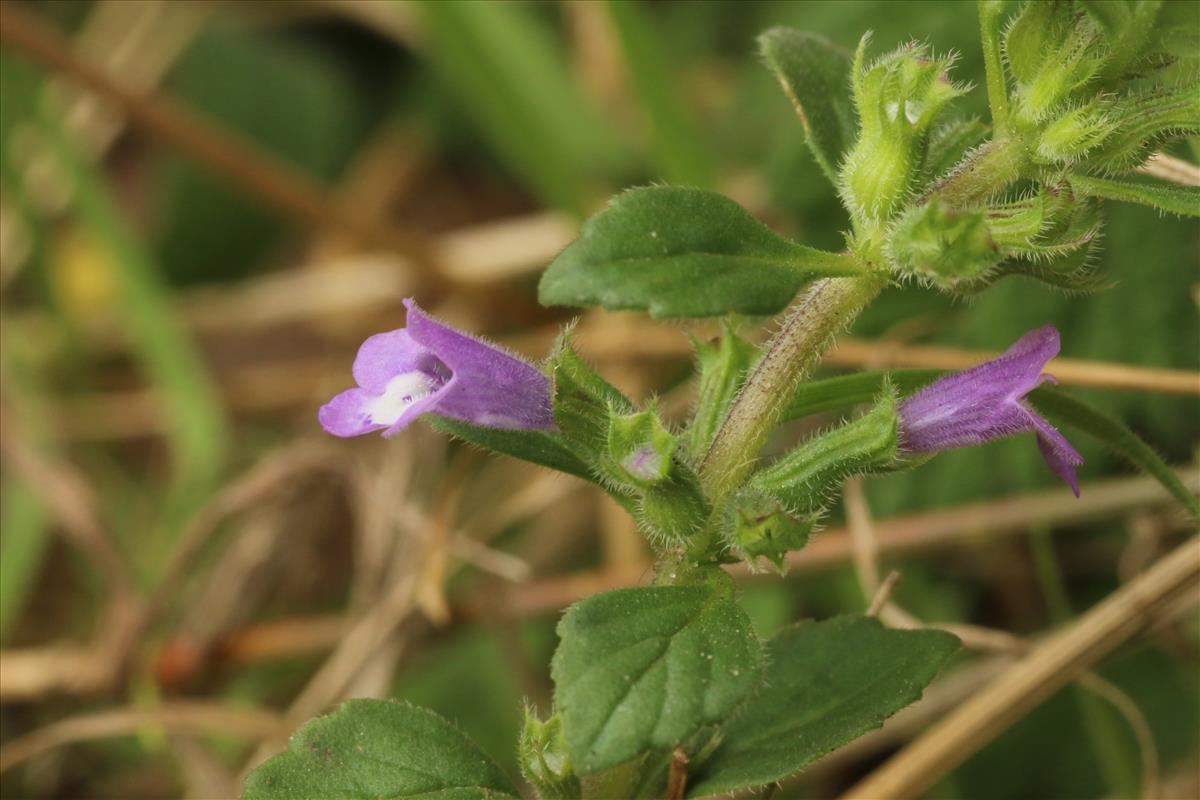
x=830 y=394
x=646 y=668
x=1182 y=200
x=376 y=749
x=539 y=447
x=680 y=252
x=815 y=74
x=1064 y=410
x=24 y=543
x=827 y=683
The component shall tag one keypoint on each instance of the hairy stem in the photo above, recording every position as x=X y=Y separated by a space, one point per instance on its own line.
x=997 y=91
x=815 y=316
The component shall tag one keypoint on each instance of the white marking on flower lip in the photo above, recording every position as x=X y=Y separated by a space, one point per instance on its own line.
x=401 y=392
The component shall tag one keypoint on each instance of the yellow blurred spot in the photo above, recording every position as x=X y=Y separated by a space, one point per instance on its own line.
x=84 y=279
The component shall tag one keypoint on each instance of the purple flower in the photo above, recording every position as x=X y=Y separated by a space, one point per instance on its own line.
x=429 y=368
x=987 y=402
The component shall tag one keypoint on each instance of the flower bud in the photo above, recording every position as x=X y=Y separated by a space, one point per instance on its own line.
x=943 y=246
x=639 y=449
x=898 y=99
x=757 y=525
x=542 y=753
x=1054 y=50
x=1143 y=121
x=1066 y=139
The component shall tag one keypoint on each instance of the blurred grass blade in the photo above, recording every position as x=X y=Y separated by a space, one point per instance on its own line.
x=24 y=531
x=844 y=391
x=502 y=65
x=23 y=543
x=1064 y=410
x=191 y=404
x=1181 y=200
x=677 y=147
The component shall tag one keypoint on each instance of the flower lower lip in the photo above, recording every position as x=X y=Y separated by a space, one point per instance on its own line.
x=401 y=392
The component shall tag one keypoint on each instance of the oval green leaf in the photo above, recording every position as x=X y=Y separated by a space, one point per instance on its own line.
x=380 y=750
x=826 y=684
x=643 y=669
x=681 y=252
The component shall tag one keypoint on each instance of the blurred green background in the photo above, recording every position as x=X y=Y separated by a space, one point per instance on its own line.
x=170 y=328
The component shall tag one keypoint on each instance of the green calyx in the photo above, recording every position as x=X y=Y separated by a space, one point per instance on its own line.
x=758 y=524
x=629 y=452
x=723 y=364
x=1069 y=137
x=640 y=449
x=805 y=479
x=1048 y=235
x=583 y=402
x=781 y=505
x=675 y=509
x=642 y=456
x=942 y=246
x=543 y=757
x=898 y=97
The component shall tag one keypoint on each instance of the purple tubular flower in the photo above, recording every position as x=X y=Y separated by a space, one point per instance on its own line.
x=430 y=368
x=987 y=402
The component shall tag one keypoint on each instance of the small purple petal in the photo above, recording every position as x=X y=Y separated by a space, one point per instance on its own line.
x=384 y=355
x=1060 y=456
x=984 y=403
x=490 y=386
x=431 y=368
x=345 y=414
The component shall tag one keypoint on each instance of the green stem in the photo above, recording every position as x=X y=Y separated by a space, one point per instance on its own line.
x=997 y=91
x=818 y=313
